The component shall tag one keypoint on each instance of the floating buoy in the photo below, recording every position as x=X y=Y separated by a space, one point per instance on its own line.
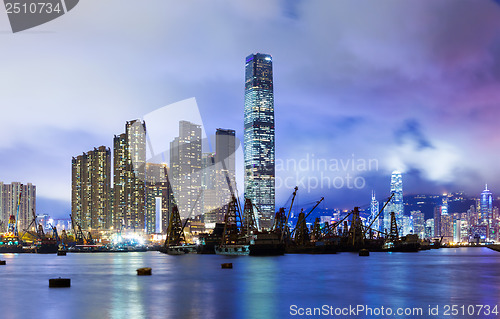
x=2 y=262
x=144 y=271
x=364 y=252
x=61 y=253
x=59 y=282
x=227 y=266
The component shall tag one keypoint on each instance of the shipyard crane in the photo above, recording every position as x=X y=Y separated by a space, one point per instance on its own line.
x=291 y=204
x=376 y=217
x=306 y=215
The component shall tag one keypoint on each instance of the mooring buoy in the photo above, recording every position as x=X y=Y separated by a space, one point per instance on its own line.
x=144 y=271
x=227 y=266
x=59 y=282
x=364 y=252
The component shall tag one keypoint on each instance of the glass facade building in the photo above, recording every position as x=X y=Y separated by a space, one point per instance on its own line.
x=259 y=137
x=486 y=210
x=396 y=204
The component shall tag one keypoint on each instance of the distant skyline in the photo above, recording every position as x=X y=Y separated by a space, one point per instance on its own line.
x=414 y=85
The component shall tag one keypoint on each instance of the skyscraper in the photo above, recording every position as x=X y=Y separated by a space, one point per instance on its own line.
x=396 y=204
x=185 y=168
x=437 y=220
x=225 y=147
x=418 y=223
x=159 y=198
x=129 y=157
x=9 y=195
x=374 y=209
x=486 y=210
x=91 y=188
x=211 y=211
x=259 y=133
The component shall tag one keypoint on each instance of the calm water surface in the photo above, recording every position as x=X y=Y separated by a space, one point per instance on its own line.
x=105 y=285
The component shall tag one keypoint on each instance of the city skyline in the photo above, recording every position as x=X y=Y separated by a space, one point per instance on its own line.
x=417 y=97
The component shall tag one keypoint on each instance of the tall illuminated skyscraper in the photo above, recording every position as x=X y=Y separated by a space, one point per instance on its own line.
x=225 y=147
x=259 y=151
x=129 y=157
x=185 y=168
x=374 y=208
x=486 y=210
x=9 y=198
x=91 y=189
x=396 y=204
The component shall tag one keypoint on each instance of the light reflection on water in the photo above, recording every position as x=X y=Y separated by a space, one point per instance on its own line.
x=105 y=285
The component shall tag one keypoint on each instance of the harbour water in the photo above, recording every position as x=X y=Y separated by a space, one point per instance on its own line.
x=105 y=285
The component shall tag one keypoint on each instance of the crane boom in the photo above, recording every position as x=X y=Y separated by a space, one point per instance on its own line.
x=381 y=210
x=307 y=215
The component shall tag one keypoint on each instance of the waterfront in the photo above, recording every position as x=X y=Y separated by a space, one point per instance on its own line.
x=105 y=285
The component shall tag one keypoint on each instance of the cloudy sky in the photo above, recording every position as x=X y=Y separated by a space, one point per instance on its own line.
x=409 y=85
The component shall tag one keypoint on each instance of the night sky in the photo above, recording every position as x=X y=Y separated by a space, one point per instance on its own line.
x=402 y=85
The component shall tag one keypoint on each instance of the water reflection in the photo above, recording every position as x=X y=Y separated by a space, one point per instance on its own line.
x=259 y=288
x=194 y=286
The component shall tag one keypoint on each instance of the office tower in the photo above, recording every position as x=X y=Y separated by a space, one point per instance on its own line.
x=396 y=204
x=472 y=216
x=437 y=220
x=185 y=167
x=212 y=212
x=259 y=144
x=486 y=211
x=4 y=219
x=447 y=226
x=91 y=188
x=464 y=231
x=418 y=222
x=429 y=228
x=129 y=154
x=159 y=198
x=374 y=210
x=225 y=147
x=457 y=230
x=9 y=194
